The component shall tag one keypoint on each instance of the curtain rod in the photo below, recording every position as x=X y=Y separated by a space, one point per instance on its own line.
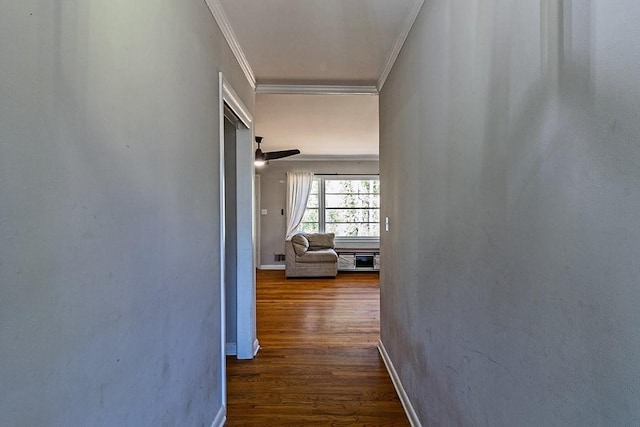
x=346 y=174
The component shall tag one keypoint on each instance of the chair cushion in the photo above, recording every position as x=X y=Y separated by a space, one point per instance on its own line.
x=300 y=244
x=320 y=255
x=321 y=241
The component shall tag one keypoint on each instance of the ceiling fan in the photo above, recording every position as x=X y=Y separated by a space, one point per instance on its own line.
x=263 y=158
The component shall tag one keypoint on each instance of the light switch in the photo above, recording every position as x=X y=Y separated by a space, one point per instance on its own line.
x=386 y=223
x=263 y=212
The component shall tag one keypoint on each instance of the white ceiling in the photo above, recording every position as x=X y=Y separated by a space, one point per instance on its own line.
x=320 y=47
x=344 y=42
x=319 y=125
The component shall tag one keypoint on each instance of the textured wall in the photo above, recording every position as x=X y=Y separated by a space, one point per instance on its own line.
x=510 y=164
x=273 y=188
x=109 y=172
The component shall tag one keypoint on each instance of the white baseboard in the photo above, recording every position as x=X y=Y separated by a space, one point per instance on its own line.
x=221 y=418
x=231 y=349
x=272 y=267
x=406 y=403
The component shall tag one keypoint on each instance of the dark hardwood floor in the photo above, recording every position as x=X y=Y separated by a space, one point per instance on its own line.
x=318 y=363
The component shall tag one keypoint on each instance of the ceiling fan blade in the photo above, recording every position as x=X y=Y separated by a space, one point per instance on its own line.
x=272 y=155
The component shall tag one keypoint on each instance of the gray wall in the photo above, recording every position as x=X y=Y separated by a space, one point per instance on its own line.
x=273 y=180
x=109 y=175
x=510 y=169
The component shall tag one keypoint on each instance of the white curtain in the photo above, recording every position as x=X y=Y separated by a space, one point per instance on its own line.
x=298 y=189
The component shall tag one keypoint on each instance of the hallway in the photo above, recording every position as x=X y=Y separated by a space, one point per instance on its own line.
x=318 y=364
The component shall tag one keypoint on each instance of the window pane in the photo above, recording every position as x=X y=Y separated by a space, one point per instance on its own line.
x=354 y=229
x=363 y=186
x=352 y=200
x=314 y=186
x=352 y=215
x=312 y=201
x=310 y=222
x=309 y=227
x=333 y=186
x=310 y=215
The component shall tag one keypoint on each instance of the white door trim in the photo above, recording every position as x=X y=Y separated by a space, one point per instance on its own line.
x=246 y=304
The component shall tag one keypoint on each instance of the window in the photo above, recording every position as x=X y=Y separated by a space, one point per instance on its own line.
x=311 y=219
x=348 y=207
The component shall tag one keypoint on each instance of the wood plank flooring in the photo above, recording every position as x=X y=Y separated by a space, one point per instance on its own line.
x=318 y=364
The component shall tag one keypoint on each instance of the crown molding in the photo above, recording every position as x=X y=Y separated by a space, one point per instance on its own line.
x=409 y=20
x=316 y=89
x=331 y=158
x=225 y=26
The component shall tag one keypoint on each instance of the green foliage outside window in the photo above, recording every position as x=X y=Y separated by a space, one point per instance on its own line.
x=346 y=207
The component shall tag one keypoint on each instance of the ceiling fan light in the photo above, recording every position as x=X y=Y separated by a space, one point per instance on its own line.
x=259 y=158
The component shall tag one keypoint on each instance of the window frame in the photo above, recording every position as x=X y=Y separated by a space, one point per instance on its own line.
x=321 y=179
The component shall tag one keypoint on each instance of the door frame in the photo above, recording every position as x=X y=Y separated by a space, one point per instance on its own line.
x=247 y=341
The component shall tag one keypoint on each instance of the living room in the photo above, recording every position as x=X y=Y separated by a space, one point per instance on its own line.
x=337 y=135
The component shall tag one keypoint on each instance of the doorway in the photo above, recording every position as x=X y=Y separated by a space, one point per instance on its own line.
x=237 y=230
x=231 y=124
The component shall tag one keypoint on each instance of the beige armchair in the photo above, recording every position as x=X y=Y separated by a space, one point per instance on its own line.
x=311 y=255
